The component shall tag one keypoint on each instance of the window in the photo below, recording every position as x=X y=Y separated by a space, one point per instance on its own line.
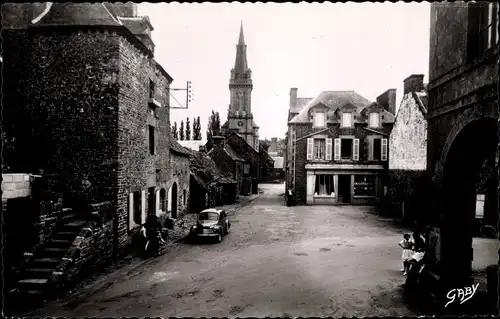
x=137 y=208
x=324 y=185
x=319 y=149
x=377 y=149
x=346 y=148
x=374 y=120
x=319 y=119
x=184 y=196
x=151 y=140
x=364 y=185
x=246 y=169
x=346 y=119
x=163 y=195
x=482 y=28
x=151 y=89
x=489 y=26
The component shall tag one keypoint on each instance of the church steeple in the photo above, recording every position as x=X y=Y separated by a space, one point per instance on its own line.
x=241 y=64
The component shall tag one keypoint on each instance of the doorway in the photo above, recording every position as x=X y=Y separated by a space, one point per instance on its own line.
x=174 y=200
x=344 y=189
x=151 y=201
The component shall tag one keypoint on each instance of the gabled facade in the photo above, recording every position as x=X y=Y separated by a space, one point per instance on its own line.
x=408 y=151
x=340 y=148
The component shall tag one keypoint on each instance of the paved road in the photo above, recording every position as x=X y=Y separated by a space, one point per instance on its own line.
x=278 y=260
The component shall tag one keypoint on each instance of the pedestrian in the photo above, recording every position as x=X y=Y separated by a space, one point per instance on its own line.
x=407 y=245
x=152 y=227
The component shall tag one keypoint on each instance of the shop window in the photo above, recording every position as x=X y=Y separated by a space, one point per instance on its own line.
x=364 y=185
x=324 y=185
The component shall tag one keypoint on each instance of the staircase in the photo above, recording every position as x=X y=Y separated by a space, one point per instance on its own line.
x=43 y=263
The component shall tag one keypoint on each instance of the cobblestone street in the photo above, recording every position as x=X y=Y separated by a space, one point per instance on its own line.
x=277 y=260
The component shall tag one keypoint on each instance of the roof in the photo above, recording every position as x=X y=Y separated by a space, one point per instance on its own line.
x=204 y=167
x=301 y=103
x=193 y=145
x=333 y=100
x=244 y=141
x=232 y=153
x=421 y=98
x=176 y=148
x=278 y=161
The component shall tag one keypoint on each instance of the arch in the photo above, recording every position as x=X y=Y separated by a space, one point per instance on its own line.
x=466 y=148
x=174 y=200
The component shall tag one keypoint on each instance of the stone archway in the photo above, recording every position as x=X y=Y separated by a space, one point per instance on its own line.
x=457 y=197
x=174 y=201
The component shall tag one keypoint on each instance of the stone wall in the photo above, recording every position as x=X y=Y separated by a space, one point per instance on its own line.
x=92 y=248
x=16 y=185
x=408 y=140
x=138 y=169
x=179 y=165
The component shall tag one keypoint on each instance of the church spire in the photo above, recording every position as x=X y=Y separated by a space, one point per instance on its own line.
x=241 y=65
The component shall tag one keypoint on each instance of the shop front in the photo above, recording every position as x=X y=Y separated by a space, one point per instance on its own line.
x=344 y=184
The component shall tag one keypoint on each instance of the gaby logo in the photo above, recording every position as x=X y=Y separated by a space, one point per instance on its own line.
x=463 y=294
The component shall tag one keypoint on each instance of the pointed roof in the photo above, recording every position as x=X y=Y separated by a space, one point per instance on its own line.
x=241 y=64
x=242 y=37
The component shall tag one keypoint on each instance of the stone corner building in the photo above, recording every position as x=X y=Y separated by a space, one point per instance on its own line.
x=408 y=151
x=87 y=102
x=462 y=129
x=340 y=148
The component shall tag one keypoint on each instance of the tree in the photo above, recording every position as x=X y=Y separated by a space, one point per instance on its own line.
x=196 y=129
x=213 y=129
x=181 y=131
x=266 y=144
x=188 y=129
x=175 y=133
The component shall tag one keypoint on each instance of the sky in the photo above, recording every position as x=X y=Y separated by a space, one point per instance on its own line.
x=365 y=47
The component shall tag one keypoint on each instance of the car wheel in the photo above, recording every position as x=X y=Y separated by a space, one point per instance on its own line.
x=227 y=228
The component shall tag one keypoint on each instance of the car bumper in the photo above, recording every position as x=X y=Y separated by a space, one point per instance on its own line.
x=205 y=234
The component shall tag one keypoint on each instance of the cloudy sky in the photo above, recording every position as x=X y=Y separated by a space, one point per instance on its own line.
x=366 y=47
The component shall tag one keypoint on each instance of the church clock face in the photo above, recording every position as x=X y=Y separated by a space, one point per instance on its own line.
x=240 y=123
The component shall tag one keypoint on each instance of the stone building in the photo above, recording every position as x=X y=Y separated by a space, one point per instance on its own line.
x=296 y=105
x=462 y=129
x=178 y=186
x=239 y=115
x=340 y=148
x=251 y=167
x=408 y=151
x=87 y=102
x=228 y=161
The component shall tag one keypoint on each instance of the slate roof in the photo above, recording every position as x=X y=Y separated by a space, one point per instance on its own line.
x=177 y=148
x=204 y=168
x=232 y=153
x=301 y=103
x=245 y=141
x=334 y=100
x=278 y=161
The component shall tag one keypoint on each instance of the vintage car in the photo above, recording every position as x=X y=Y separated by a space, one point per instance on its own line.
x=212 y=223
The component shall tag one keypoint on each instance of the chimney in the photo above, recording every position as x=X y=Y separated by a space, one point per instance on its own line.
x=218 y=141
x=388 y=101
x=274 y=144
x=127 y=9
x=414 y=83
x=293 y=97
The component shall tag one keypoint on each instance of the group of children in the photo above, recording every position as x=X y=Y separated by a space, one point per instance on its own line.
x=413 y=249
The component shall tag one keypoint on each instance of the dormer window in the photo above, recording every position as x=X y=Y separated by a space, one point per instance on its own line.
x=374 y=120
x=319 y=119
x=346 y=119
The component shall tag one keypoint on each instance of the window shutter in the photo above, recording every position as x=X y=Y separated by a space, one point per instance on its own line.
x=157 y=202
x=143 y=206
x=355 y=149
x=336 y=154
x=371 y=142
x=310 y=148
x=384 y=149
x=328 y=149
x=131 y=210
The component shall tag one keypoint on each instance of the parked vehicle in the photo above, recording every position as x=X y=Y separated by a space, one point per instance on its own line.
x=211 y=223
